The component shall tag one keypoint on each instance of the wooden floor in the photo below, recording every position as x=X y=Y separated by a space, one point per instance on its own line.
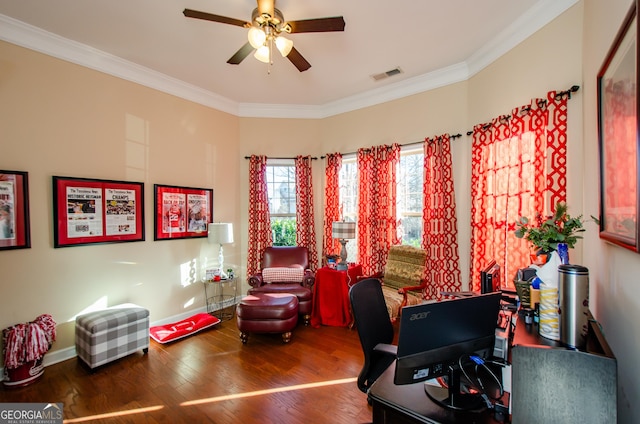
x=212 y=378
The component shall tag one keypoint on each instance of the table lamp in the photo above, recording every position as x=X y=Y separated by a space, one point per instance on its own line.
x=220 y=233
x=343 y=230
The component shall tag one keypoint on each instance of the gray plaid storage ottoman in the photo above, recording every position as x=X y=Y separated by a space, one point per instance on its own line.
x=106 y=335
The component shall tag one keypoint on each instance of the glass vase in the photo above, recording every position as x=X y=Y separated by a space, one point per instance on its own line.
x=563 y=252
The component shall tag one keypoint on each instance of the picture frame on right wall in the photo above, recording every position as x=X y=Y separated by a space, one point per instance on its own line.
x=618 y=138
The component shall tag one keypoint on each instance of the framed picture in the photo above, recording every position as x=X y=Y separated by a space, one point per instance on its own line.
x=88 y=211
x=181 y=212
x=14 y=210
x=618 y=138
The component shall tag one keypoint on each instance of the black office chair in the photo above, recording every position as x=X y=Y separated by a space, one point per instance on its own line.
x=374 y=329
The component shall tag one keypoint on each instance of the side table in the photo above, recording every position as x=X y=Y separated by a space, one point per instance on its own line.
x=221 y=297
x=331 y=296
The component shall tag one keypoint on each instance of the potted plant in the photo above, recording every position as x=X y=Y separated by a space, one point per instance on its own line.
x=546 y=234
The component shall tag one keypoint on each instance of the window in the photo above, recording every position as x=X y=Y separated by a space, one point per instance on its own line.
x=349 y=189
x=281 y=185
x=410 y=175
x=349 y=200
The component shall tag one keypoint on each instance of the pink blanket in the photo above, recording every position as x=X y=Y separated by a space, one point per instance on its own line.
x=186 y=327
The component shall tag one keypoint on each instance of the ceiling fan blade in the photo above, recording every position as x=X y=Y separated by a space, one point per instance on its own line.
x=335 y=23
x=298 y=60
x=215 y=18
x=266 y=6
x=241 y=54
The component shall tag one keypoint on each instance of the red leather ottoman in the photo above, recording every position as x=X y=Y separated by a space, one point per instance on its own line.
x=304 y=295
x=267 y=313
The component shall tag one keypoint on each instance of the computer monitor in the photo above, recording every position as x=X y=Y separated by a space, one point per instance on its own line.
x=490 y=278
x=435 y=338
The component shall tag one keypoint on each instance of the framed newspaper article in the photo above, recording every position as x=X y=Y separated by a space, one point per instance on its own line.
x=181 y=212
x=14 y=210
x=88 y=211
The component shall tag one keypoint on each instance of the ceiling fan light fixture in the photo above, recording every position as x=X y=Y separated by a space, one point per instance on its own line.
x=264 y=29
x=284 y=45
x=256 y=37
x=262 y=54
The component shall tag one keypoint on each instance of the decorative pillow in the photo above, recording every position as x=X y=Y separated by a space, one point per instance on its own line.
x=282 y=275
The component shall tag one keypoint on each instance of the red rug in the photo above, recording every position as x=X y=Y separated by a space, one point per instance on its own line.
x=172 y=332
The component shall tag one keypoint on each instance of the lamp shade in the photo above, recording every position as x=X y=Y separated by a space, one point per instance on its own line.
x=284 y=45
x=343 y=230
x=256 y=37
x=220 y=233
x=262 y=54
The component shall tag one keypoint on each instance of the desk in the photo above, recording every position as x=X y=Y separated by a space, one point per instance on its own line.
x=331 y=296
x=408 y=404
x=587 y=392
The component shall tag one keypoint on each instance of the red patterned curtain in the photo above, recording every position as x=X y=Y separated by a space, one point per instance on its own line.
x=619 y=165
x=331 y=246
x=259 y=218
x=518 y=169
x=305 y=224
x=377 y=222
x=440 y=227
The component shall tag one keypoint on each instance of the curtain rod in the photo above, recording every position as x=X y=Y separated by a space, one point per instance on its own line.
x=568 y=92
x=559 y=94
x=401 y=145
x=280 y=158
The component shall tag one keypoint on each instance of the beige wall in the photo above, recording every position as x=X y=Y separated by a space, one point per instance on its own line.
x=613 y=271
x=61 y=119
x=278 y=138
x=549 y=60
x=410 y=120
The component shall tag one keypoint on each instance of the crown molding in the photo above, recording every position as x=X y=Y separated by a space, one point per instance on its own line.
x=33 y=38
x=542 y=13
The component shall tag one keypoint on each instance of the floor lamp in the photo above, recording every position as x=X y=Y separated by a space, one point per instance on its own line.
x=343 y=230
x=221 y=233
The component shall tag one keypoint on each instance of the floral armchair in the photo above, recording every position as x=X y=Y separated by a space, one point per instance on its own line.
x=285 y=269
x=403 y=279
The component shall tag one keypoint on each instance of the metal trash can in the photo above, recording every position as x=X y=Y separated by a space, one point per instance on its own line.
x=573 y=300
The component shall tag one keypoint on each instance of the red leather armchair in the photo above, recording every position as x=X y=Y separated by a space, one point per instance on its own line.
x=285 y=269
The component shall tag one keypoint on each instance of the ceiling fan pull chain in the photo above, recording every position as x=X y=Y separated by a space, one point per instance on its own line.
x=270 y=55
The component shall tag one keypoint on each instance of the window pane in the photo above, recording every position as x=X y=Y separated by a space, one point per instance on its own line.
x=281 y=183
x=409 y=192
x=412 y=230
x=348 y=181
x=349 y=189
x=283 y=231
x=281 y=186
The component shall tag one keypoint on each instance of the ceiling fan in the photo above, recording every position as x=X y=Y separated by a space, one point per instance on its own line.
x=267 y=29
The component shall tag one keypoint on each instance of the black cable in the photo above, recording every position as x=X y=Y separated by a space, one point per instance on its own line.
x=495 y=378
x=480 y=363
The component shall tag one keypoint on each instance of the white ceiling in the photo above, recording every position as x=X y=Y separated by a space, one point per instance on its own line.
x=434 y=42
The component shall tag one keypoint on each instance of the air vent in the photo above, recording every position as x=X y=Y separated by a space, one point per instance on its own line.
x=390 y=73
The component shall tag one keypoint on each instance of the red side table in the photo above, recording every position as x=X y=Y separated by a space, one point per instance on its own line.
x=331 y=296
